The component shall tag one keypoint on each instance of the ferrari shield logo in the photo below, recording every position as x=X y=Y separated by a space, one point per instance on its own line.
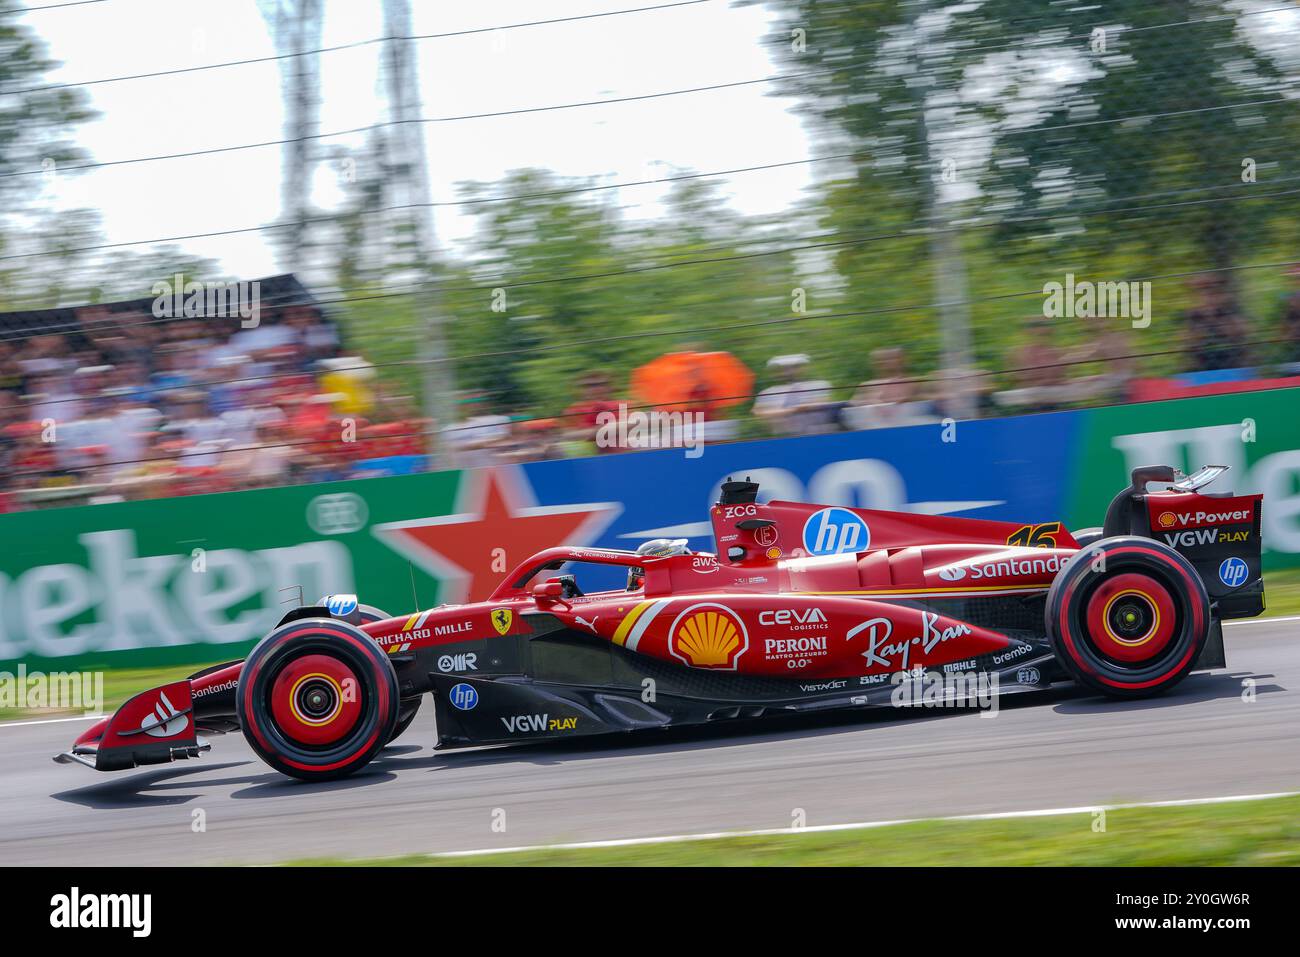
x=502 y=618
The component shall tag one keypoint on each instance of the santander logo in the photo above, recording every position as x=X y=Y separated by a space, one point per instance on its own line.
x=952 y=574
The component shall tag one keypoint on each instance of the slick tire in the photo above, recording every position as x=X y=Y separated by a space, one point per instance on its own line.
x=370 y=614
x=317 y=699
x=1128 y=617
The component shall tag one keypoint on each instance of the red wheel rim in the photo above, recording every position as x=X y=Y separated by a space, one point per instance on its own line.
x=316 y=700
x=1131 y=618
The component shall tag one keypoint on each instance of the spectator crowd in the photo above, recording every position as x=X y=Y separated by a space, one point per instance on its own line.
x=107 y=403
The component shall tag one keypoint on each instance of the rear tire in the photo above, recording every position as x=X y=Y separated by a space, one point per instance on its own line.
x=1128 y=617
x=317 y=699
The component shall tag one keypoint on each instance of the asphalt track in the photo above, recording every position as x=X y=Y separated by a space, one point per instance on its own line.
x=1058 y=749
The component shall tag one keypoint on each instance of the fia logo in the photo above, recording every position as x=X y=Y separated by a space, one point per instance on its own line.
x=833 y=531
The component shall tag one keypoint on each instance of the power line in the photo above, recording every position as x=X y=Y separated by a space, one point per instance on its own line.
x=247 y=61
x=973 y=374
x=342 y=46
x=114 y=325
x=456 y=203
x=757 y=324
x=520 y=111
x=51 y=6
x=653 y=267
x=1036 y=43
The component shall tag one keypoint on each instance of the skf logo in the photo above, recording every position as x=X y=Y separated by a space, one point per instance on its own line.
x=502 y=618
x=708 y=635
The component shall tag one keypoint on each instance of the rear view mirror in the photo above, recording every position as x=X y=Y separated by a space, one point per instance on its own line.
x=549 y=591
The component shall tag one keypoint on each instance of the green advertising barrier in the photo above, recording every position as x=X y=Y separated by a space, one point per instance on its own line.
x=1257 y=434
x=199 y=578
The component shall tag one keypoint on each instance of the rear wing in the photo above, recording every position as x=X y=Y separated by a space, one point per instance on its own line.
x=1218 y=533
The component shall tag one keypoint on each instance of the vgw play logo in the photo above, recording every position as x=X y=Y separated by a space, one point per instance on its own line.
x=833 y=531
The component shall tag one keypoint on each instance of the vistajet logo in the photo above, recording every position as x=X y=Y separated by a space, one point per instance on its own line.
x=75 y=909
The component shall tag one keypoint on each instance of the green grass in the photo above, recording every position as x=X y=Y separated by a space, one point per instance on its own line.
x=1282 y=592
x=119 y=684
x=1281 y=588
x=1249 y=833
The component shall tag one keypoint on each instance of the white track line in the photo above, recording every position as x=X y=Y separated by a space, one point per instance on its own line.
x=80 y=717
x=863 y=825
x=1262 y=621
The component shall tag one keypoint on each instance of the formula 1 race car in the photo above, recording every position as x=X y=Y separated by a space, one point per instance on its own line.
x=805 y=608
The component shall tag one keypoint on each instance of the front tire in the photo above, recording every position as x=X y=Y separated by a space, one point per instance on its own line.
x=1128 y=617
x=317 y=699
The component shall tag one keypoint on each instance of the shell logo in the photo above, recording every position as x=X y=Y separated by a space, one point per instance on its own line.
x=708 y=635
x=1167 y=519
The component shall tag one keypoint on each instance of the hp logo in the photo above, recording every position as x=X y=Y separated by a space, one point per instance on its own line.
x=464 y=697
x=832 y=531
x=340 y=606
x=1233 y=572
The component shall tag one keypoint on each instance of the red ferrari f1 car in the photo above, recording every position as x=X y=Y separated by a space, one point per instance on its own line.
x=804 y=608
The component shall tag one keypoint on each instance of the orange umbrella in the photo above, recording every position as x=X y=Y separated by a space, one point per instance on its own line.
x=680 y=380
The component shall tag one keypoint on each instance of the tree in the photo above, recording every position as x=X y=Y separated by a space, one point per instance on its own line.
x=34 y=123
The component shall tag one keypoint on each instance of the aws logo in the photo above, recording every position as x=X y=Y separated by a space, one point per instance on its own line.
x=708 y=635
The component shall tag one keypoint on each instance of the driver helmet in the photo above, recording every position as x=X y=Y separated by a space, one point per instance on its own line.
x=655 y=548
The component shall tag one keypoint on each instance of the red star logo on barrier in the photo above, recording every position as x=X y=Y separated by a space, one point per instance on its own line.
x=496 y=527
